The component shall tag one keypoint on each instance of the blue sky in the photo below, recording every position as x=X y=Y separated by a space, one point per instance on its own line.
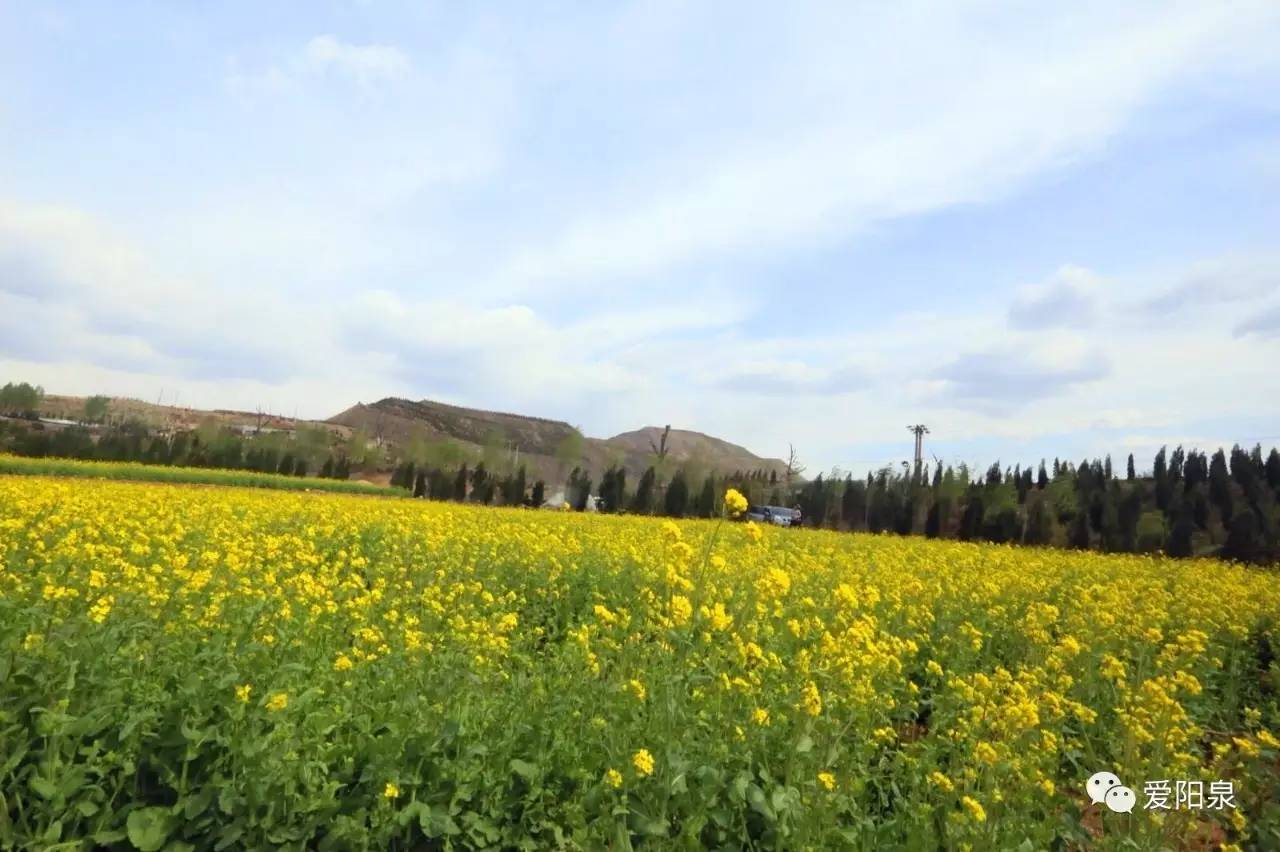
x=1041 y=232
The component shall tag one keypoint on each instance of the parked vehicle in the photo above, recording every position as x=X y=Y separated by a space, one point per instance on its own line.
x=779 y=515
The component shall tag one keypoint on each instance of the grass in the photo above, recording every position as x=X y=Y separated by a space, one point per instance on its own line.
x=137 y=472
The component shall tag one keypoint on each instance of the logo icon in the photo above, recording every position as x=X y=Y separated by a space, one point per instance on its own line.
x=1121 y=799
x=1099 y=784
x=1106 y=788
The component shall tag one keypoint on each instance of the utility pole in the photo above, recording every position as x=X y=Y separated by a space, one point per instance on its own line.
x=920 y=430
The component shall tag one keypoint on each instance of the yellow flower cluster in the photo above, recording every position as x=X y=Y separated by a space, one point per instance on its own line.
x=970 y=672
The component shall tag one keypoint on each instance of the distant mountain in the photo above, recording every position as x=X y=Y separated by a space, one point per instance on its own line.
x=541 y=444
x=686 y=446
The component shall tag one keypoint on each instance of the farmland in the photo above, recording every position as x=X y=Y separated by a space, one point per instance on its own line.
x=139 y=472
x=201 y=668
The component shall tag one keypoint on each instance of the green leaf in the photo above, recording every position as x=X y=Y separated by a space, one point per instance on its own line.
x=149 y=828
x=228 y=836
x=43 y=787
x=527 y=771
x=738 y=789
x=804 y=745
x=759 y=803
x=198 y=804
x=87 y=808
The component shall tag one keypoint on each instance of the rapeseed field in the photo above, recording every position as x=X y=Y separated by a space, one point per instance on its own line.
x=219 y=668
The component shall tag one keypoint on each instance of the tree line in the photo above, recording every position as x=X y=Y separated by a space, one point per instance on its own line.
x=1192 y=504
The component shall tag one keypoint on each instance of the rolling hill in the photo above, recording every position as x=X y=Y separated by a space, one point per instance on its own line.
x=546 y=446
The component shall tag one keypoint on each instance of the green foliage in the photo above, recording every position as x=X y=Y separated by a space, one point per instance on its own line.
x=676 y=500
x=21 y=399
x=96 y=408
x=1151 y=532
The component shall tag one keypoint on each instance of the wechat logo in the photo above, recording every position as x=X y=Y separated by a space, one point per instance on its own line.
x=1105 y=788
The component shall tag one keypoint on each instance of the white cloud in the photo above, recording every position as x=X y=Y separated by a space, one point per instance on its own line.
x=365 y=62
x=1068 y=300
x=925 y=142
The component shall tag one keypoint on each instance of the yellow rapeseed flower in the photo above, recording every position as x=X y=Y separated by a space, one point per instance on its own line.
x=613 y=778
x=811 y=699
x=827 y=780
x=976 y=811
x=278 y=701
x=643 y=762
x=734 y=503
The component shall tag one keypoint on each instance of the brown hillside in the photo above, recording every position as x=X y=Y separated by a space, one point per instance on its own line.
x=399 y=422
x=684 y=446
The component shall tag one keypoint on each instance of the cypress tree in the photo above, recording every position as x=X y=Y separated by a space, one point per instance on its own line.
x=1180 y=536
x=1273 y=469
x=707 y=499
x=1130 y=473
x=932 y=521
x=677 y=497
x=1079 y=537
x=460 y=484
x=1220 y=486
x=642 y=503
x=537 y=498
x=419 y=483
x=1042 y=478
x=1243 y=540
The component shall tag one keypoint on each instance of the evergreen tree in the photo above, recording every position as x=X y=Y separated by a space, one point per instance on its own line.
x=707 y=498
x=538 y=497
x=1042 y=478
x=583 y=492
x=326 y=469
x=1106 y=468
x=932 y=521
x=1079 y=537
x=1272 y=470
x=1244 y=544
x=1130 y=473
x=460 y=484
x=1177 y=463
x=1220 y=487
x=286 y=465
x=1180 y=542
x=520 y=484
x=642 y=503
x=677 y=497
x=1128 y=512
x=971 y=520
x=300 y=466
x=853 y=503
x=419 y=483
x=1039 y=522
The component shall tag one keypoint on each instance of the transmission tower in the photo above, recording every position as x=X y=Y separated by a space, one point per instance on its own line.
x=920 y=430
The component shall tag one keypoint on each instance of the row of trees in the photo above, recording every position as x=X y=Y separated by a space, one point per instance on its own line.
x=210 y=445
x=20 y=399
x=1192 y=504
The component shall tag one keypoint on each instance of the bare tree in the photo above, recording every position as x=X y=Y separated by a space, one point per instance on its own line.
x=660 y=448
x=794 y=468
